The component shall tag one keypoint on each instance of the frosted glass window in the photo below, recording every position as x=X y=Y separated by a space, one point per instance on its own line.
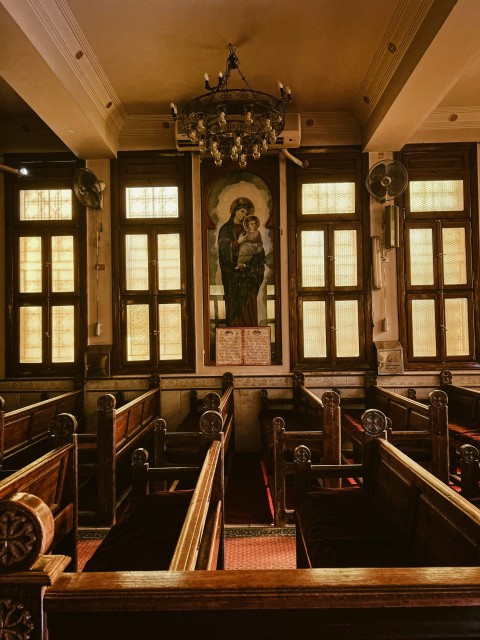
x=456 y=324
x=170 y=334
x=46 y=204
x=271 y=309
x=421 y=257
x=345 y=258
x=31 y=334
x=152 y=202
x=346 y=322
x=63 y=270
x=30 y=258
x=136 y=261
x=424 y=329
x=323 y=198
x=138 y=332
x=313 y=258
x=169 y=267
x=63 y=333
x=454 y=255
x=436 y=195
x=314 y=329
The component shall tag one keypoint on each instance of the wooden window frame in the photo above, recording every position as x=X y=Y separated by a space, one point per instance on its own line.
x=45 y=171
x=347 y=164
x=440 y=162
x=143 y=170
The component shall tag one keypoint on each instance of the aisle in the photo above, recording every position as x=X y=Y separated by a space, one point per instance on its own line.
x=247 y=498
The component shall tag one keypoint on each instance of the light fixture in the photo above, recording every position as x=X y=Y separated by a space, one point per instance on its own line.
x=233 y=122
x=18 y=172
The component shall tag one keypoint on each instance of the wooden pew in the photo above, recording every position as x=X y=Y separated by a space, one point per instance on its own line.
x=199 y=405
x=199 y=539
x=319 y=426
x=419 y=429
x=345 y=604
x=401 y=516
x=173 y=529
x=52 y=478
x=350 y=603
x=463 y=418
x=104 y=457
x=178 y=447
x=26 y=433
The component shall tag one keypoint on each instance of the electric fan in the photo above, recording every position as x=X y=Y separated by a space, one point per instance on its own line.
x=88 y=189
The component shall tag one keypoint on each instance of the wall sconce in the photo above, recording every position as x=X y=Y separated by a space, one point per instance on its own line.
x=17 y=172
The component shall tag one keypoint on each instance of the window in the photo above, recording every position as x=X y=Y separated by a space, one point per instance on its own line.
x=154 y=259
x=329 y=308
x=436 y=282
x=45 y=256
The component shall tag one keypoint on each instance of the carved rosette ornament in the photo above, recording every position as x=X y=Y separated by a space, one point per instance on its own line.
x=64 y=426
x=160 y=425
x=438 y=398
x=227 y=379
x=106 y=402
x=374 y=422
x=211 y=401
x=445 y=377
x=211 y=423
x=370 y=378
x=26 y=531
x=278 y=423
x=298 y=379
x=330 y=399
x=469 y=453
x=302 y=454
x=15 y=620
x=139 y=458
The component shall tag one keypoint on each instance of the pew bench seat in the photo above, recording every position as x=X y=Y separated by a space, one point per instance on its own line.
x=400 y=516
x=145 y=535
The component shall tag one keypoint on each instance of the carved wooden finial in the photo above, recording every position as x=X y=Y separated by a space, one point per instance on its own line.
x=106 y=402
x=330 y=399
x=302 y=454
x=278 y=423
x=438 y=398
x=26 y=531
x=211 y=400
x=211 y=423
x=374 y=422
x=140 y=457
x=64 y=426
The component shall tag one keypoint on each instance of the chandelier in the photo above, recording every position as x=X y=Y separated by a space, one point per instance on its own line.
x=233 y=123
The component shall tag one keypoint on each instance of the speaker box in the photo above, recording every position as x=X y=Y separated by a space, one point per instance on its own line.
x=391 y=225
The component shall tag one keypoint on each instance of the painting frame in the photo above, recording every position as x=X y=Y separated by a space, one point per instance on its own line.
x=222 y=187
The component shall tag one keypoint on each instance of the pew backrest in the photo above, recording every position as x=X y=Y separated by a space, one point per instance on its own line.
x=52 y=478
x=23 y=429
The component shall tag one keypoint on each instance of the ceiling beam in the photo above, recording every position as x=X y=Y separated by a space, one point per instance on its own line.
x=441 y=51
x=47 y=61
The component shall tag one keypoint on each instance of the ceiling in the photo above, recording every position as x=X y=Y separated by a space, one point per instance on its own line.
x=97 y=76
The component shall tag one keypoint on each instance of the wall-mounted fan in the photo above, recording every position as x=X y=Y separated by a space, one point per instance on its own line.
x=386 y=180
x=88 y=189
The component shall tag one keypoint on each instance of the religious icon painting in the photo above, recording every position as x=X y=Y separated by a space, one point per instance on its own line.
x=241 y=261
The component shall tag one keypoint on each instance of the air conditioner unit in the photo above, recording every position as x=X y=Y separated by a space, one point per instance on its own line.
x=288 y=139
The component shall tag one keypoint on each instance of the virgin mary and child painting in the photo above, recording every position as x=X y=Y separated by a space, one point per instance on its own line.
x=241 y=249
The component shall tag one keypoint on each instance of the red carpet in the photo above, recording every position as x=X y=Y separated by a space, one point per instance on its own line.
x=246 y=498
